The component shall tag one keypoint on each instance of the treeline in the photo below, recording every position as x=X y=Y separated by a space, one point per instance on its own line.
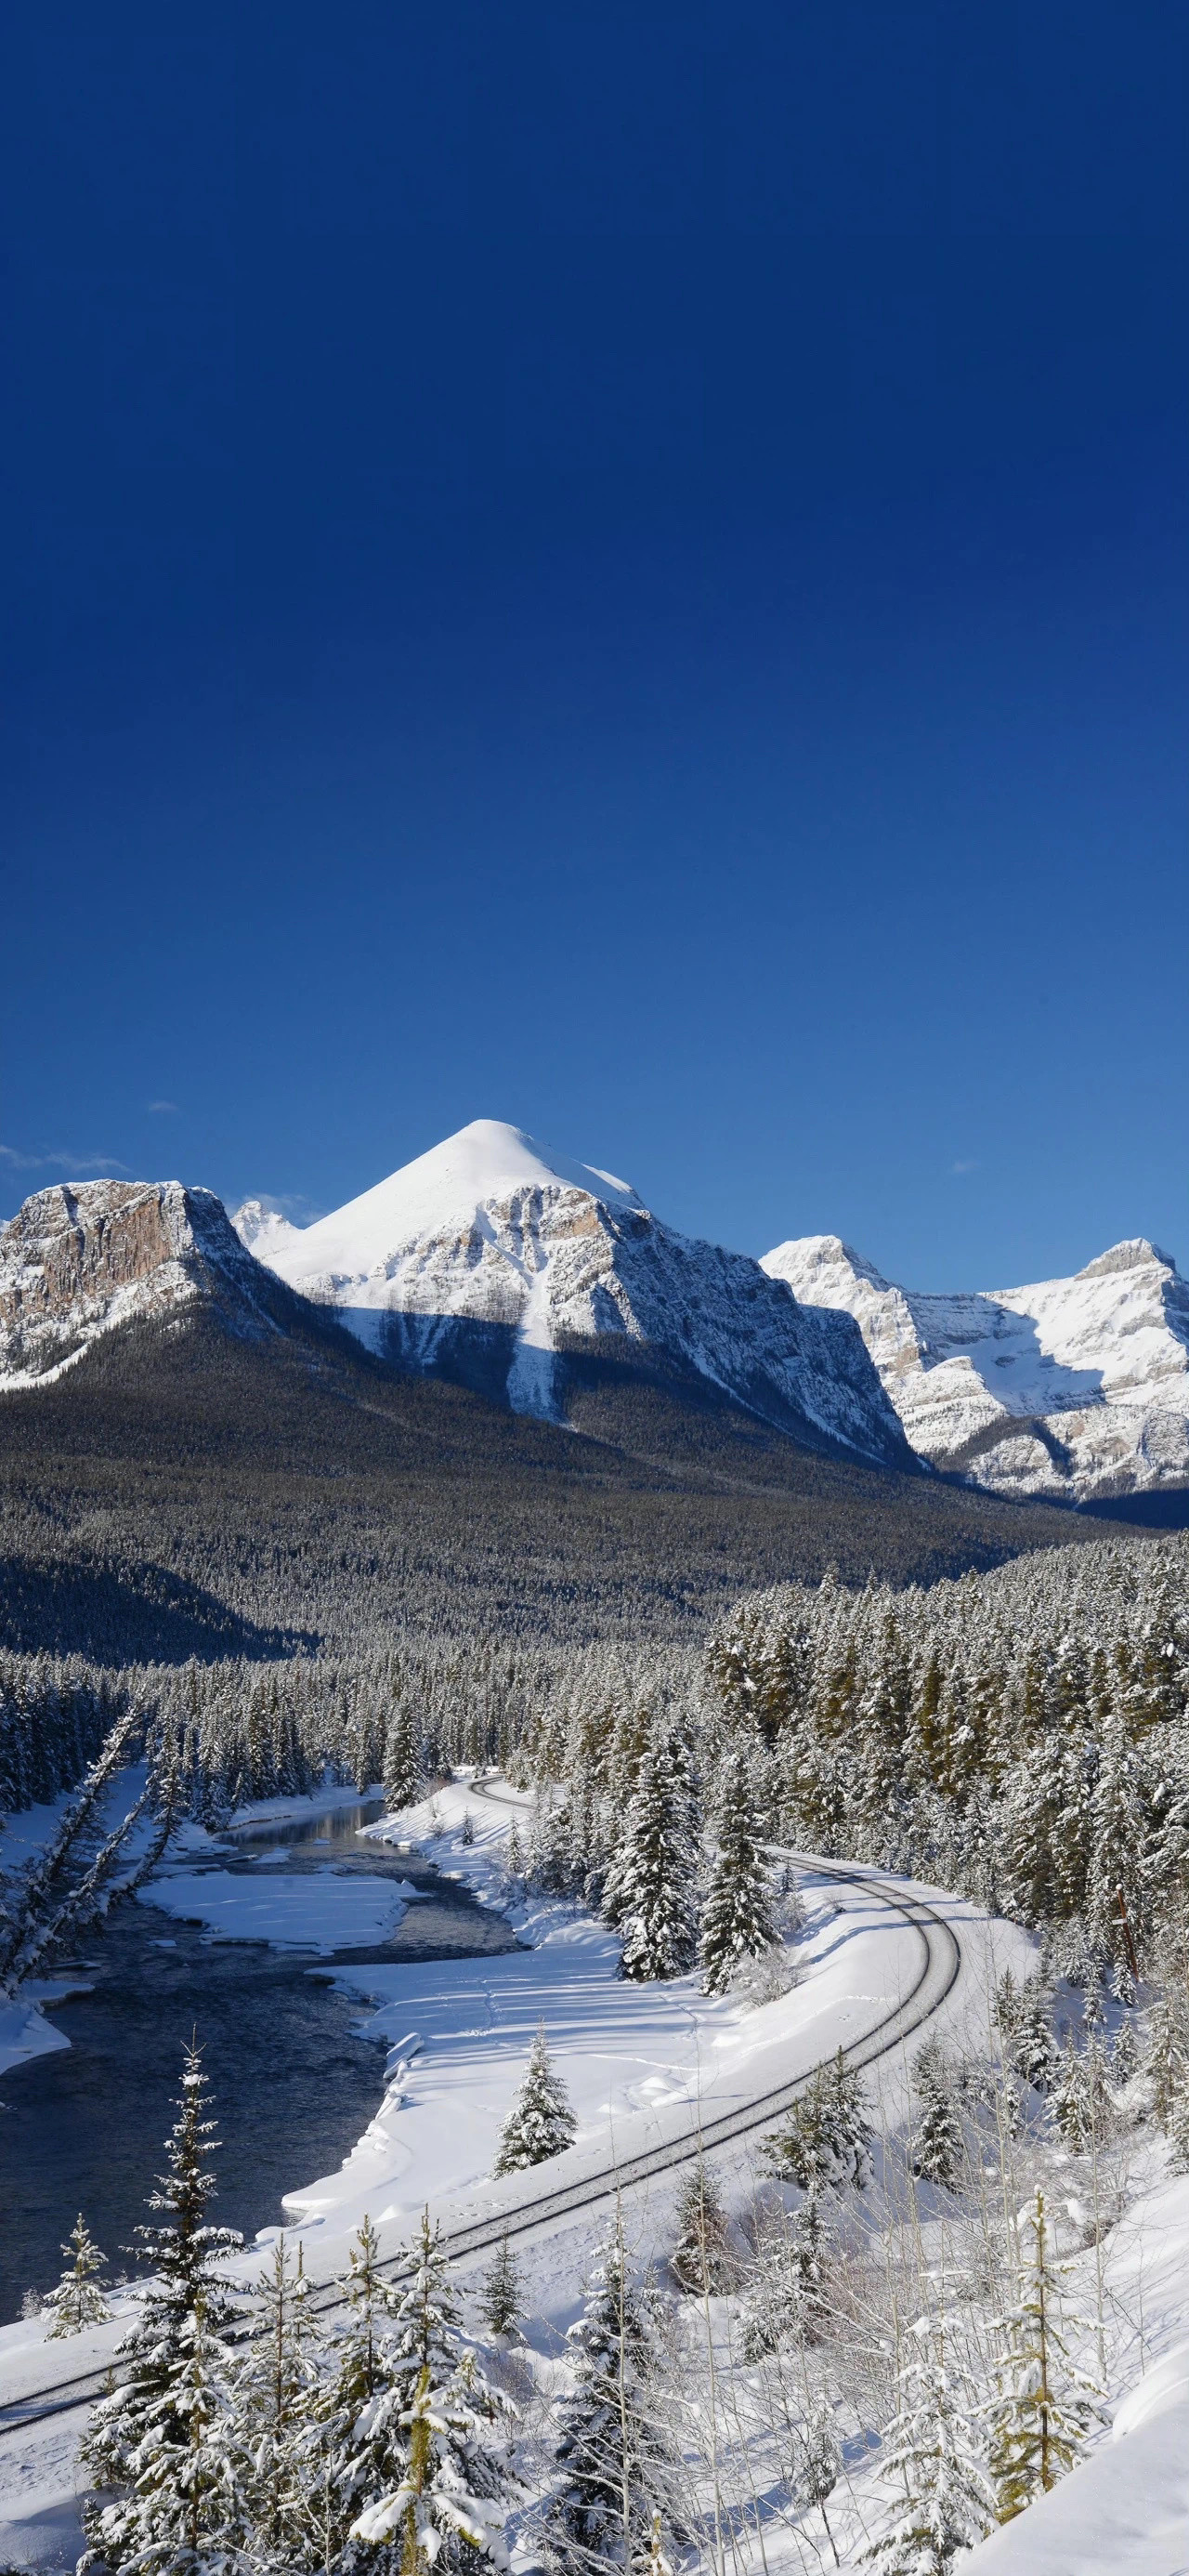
x=54 y=1717
x=1020 y=1736
x=241 y=1730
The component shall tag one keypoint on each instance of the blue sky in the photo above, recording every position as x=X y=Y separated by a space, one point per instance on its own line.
x=617 y=567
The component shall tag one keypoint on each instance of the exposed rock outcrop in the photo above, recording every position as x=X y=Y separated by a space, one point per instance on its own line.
x=78 y=1261
x=1074 y=1388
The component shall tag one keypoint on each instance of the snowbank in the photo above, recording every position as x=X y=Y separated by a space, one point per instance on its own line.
x=1126 y=2508
x=317 y=1910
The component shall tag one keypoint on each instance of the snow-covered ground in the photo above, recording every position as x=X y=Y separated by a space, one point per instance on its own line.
x=1127 y=2507
x=639 y=2063
x=323 y=1913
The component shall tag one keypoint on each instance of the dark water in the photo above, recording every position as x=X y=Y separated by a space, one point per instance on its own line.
x=294 y=2085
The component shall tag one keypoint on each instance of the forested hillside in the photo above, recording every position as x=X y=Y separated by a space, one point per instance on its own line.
x=184 y=1492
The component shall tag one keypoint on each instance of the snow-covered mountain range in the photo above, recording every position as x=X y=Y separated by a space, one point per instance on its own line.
x=78 y=1262
x=534 y=1278
x=496 y=1259
x=1076 y=1388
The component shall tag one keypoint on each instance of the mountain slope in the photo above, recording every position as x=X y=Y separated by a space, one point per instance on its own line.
x=190 y=1488
x=78 y=1262
x=1072 y=1388
x=495 y=1261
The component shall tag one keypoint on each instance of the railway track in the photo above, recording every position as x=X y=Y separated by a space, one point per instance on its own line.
x=939 y=1966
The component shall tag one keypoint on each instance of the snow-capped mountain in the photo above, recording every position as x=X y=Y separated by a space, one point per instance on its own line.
x=77 y=1262
x=262 y=1228
x=1076 y=1388
x=495 y=1259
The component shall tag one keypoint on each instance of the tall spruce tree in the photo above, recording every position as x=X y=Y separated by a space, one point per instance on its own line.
x=273 y=2395
x=827 y=2139
x=431 y=2466
x=650 y=1885
x=616 y=2456
x=786 y=2301
x=937 y=2145
x=500 y=2294
x=159 y=2439
x=541 y=2122
x=702 y=2261
x=403 y=1769
x=738 y=1922
x=348 y=2451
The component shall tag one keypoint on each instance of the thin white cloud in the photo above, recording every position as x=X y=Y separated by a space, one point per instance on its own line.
x=79 y=1163
x=970 y=1165
x=164 y=1109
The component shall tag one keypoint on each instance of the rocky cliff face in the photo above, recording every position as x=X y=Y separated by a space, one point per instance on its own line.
x=1073 y=1388
x=495 y=1259
x=79 y=1261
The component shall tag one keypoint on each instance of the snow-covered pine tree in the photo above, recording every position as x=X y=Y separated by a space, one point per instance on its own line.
x=932 y=2459
x=1116 y=1891
x=702 y=2260
x=273 y=2394
x=435 y=2422
x=1078 y=2101
x=344 y=2459
x=650 y=1885
x=1028 y=2035
x=1166 y=2056
x=500 y=2293
x=786 y=2295
x=1045 y=2407
x=78 y=2300
x=738 y=1921
x=617 y=2457
x=403 y=1776
x=183 y=2516
x=937 y=2146
x=431 y=2519
x=159 y=2437
x=1178 y=2131
x=827 y=2139
x=541 y=2122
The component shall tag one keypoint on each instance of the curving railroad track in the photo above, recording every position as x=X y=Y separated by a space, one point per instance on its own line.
x=940 y=1964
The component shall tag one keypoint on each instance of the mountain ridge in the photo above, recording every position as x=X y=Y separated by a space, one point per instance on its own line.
x=1072 y=1389
x=497 y=1260
x=80 y=1260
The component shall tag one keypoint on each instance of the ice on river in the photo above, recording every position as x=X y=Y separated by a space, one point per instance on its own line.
x=316 y=1910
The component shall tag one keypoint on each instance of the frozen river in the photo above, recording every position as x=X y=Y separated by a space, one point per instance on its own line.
x=82 y=2127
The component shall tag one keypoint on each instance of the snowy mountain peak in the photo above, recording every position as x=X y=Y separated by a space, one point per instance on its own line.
x=440 y=1193
x=820 y=1256
x=494 y=1258
x=261 y=1227
x=1070 y=1387
x=1135 y=1254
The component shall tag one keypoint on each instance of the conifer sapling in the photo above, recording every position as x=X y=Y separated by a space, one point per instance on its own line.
x=78 y=2301
x=541 y=2122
